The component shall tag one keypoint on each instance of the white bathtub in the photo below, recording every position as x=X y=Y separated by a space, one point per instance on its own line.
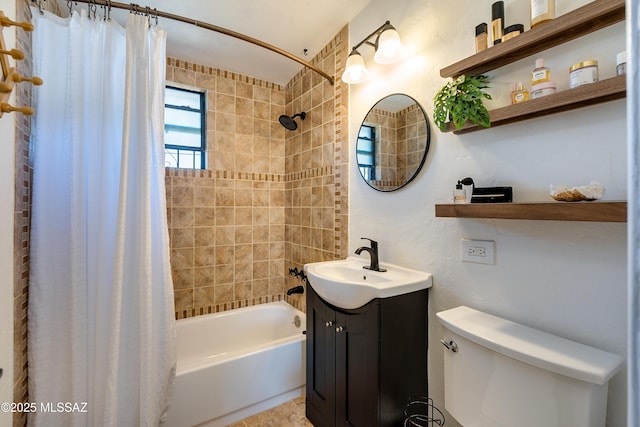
x=237 y=363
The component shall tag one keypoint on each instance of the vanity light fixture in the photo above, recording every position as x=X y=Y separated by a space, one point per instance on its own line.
x=388 y=50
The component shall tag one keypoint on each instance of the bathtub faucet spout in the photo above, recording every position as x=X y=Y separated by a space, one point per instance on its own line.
x=296 y=290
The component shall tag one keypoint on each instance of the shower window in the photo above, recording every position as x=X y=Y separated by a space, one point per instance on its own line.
x=184 y=128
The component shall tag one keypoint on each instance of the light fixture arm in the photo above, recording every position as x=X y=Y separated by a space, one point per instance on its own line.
x=388 y=50
x=376 y=33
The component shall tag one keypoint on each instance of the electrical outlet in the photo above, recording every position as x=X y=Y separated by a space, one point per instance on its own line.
x=478 y=251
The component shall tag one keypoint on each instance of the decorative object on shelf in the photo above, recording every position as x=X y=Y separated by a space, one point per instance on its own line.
x=492 y=195
x=543 y=89
x=584 y=20
x=460 y=101
x=467 y=192
x=520 y=95
x=388 y=51
x=542 y=11
x=566 y=100
x=481 y=37
x=621 y=63
x=511 y=31
x=540 y=74
x=593 y=191
x=459 y=193
x=9 y=75
x=580 y=22
x=497 y=22
x=583 y=73
x=468 y=185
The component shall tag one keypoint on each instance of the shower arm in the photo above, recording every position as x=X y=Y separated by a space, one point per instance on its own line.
x=160 y=14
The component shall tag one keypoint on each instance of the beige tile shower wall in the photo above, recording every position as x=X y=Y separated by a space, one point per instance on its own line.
x=388 y=151
x=412 y=140
x=317 y=156
x=227 y=223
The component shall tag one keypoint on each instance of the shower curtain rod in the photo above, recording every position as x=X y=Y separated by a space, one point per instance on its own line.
x=211 y=27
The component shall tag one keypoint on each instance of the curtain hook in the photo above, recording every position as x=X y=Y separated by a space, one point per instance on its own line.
x=69 y=6
x=40 y=7
x=156 y=14
x=148 y=15
x=108 y=10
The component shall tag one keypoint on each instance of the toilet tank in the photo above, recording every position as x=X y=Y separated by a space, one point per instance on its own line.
x=498 y=373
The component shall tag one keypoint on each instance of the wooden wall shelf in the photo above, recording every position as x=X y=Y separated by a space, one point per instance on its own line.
x=577 y=23
x=570 y=99
x=597 y=211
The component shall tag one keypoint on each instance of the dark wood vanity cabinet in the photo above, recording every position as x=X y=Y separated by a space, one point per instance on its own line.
x=364 y=365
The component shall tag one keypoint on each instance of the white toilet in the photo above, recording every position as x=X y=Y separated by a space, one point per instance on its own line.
x=498 y=373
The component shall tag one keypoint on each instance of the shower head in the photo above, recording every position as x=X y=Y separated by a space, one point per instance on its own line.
x=289 y=122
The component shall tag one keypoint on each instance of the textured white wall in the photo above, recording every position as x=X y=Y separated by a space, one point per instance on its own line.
x=566 y=278
x=7 y=161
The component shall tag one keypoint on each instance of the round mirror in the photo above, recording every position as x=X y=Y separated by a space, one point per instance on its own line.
x=393 y=142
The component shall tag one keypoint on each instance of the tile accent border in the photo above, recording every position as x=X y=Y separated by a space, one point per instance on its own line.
x=216 y=174
x=212 y=71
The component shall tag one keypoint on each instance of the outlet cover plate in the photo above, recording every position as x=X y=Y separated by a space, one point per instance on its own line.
x=478 y=251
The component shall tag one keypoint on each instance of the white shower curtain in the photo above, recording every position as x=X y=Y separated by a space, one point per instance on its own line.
x=101 y=312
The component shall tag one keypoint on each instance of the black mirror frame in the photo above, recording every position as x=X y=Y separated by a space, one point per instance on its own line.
x=424 y=154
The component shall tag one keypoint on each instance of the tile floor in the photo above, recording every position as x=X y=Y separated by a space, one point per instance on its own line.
x=289 y=414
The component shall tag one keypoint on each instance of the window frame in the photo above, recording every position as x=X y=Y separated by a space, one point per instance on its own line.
x=372 y=167
x=203 y=127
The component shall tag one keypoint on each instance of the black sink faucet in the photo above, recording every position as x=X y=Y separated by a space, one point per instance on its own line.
x=373 y=252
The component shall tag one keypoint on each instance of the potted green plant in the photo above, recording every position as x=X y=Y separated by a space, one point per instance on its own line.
x=460 y=101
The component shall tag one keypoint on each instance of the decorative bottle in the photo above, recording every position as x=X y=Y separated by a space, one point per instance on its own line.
x=542 y=11
x=459 y=195
x=497 y=22
x=540 y=74
x=521 y=94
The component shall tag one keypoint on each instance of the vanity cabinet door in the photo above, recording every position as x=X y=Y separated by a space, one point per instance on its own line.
x=321 y=358
x=363 y=365
x=357 y=367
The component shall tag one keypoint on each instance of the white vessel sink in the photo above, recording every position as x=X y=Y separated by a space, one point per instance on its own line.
x=347 y=284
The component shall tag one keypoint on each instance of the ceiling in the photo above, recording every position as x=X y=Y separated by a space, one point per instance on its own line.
x=292 y=25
